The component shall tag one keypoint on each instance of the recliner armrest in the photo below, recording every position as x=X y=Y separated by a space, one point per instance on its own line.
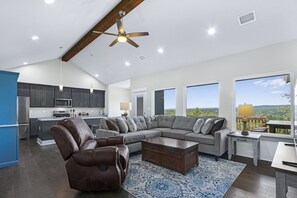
x=110 y=141
x=108 y=155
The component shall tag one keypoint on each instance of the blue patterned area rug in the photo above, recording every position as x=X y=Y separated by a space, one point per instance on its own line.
x=210 y=179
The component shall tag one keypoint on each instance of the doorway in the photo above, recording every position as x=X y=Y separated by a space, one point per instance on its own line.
x=139 y=104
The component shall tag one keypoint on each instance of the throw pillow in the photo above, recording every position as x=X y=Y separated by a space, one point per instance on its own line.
x=131 y=124
x=102 y=124
x=218 y=125
x=112 y=125
x=198 y=125
x=151 y=122
x=207 y=126
x=122 y=125
x=140 y=123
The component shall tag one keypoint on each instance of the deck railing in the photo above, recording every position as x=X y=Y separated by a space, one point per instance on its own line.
x=252 y=123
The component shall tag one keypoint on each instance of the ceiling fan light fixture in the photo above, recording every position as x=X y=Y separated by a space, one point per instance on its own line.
x=122 y=39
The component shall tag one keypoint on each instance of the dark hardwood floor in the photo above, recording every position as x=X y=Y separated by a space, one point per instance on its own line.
x=41 y=173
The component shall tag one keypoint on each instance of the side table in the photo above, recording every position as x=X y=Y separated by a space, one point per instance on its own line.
x=253 y=138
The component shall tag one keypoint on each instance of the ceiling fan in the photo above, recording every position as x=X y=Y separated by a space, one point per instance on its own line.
x=122 y=36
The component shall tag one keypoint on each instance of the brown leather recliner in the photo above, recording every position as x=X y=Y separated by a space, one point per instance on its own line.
x=92 y=164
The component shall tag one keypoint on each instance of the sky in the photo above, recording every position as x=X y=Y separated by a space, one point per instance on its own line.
x=203 y=96
x=258 y=91
x=262 y=91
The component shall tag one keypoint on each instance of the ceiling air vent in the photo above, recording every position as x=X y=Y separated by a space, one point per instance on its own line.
x=247 y=18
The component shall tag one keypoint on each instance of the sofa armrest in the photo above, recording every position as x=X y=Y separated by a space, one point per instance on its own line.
x=108 y=156
x=221 y=141
x=106 y=133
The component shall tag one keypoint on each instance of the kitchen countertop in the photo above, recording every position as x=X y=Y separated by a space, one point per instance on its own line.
x=54 y=118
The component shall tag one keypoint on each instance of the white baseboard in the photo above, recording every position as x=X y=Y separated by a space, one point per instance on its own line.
x=45 y=142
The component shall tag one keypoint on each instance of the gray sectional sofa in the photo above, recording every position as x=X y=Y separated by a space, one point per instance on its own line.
x=177 y=127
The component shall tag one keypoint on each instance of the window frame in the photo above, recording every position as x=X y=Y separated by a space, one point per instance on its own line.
x=153 y=99
x=263 y=75
x=185 y=96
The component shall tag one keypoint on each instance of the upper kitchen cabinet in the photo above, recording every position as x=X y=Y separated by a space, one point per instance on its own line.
x=23 y=89
x=97 y=99
x=65 y=94
x=80 y=97
x=42 y=96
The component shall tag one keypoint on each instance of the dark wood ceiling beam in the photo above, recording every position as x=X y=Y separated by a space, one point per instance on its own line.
x=103 y=25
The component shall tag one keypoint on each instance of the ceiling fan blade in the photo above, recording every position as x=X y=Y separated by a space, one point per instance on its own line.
x=113 y=42
x=112 y=34
x=120 y=26
x=135 y=34
x=132 y=42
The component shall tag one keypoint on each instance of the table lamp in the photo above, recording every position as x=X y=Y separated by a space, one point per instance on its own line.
x=125 y=106
x=245 y=111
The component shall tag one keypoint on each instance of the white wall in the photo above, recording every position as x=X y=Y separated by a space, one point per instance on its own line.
x=49 y=73
x=115 y=96
x=268 y=60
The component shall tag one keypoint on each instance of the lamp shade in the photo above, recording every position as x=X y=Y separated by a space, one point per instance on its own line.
x=125 y=106
x=245 y=110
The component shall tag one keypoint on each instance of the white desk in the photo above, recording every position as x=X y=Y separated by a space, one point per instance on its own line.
x=253 y=138
x=285 y=175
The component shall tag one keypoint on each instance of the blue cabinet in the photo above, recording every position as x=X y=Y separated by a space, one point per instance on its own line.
x=9 y=142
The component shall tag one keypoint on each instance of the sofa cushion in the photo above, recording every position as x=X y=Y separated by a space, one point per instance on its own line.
x=162 y=129
x=132 y=137
x=175 y=133
x=122 y=125
x=165 y=121
x=151 y=122
x=102 y=124
x=131 y=124
x=200 y=138
x=112 y=125
x=218 y=125
x=198 y=125
x=184 y=123
x=207 y=126
x=140 y=123
x=151 y=133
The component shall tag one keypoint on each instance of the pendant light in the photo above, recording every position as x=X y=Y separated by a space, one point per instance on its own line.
x=91 y=89
x=61 y=74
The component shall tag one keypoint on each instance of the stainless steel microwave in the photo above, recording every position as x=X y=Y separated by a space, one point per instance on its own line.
x=60 y=102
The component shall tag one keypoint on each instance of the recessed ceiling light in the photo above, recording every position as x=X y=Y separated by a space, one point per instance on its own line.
x=25 y=63
x=127 y=63
x=49 y=1
x=97 y=75
x=34 y=38
x=160 y=50
x=211 y=31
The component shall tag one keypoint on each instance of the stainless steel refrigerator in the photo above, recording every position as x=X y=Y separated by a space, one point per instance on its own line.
x=23 y=116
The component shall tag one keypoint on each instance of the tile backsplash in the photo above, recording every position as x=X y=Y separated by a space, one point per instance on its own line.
x=48 y=112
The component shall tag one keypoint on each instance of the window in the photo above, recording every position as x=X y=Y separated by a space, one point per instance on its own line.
x=165 y=102
x=270 y=98
x=203 y=100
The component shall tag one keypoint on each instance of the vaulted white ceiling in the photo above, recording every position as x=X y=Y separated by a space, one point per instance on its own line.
x=179 y=27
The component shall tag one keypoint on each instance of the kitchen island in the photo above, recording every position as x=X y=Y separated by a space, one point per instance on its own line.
x=45 y=124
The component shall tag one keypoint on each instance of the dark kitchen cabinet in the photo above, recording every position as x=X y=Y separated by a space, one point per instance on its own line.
x=80 y=97
x=97 y=99
x=65 y=94
x=23 y=89
x=42 y=96
x=34 y=127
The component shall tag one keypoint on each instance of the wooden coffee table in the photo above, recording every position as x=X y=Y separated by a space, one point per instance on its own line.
x=178 y=155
